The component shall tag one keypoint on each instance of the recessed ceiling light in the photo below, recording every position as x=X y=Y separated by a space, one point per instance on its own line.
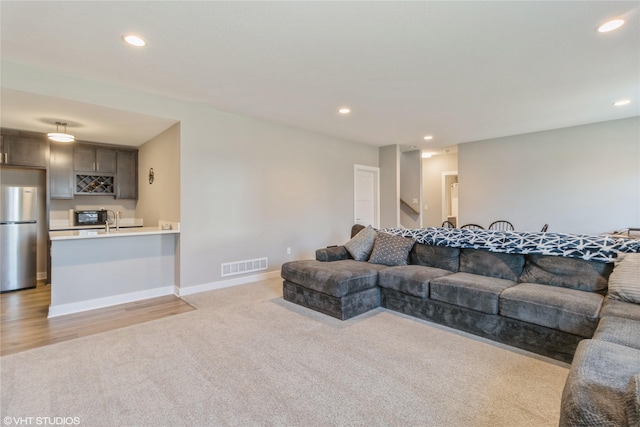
x=610 y=25
x=426 y=155
x=134 y=40
x=428 y=137
x=344 y=110
x=622 y=102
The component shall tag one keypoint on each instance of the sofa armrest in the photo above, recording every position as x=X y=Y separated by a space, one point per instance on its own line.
x=332 y=253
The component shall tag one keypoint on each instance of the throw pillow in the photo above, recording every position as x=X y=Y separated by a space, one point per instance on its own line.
x=624 y=282
x=391 y=250
x=359 y=247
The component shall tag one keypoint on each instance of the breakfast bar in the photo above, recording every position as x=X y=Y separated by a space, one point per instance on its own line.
x=93 y=269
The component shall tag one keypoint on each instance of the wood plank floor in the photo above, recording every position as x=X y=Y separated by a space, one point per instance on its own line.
x=24 y=324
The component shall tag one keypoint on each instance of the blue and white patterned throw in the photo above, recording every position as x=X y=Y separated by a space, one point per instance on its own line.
x=589 y=247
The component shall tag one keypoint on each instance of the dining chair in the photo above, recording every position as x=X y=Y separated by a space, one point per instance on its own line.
x=448 y=224
x=501 y=225
x=472 y=227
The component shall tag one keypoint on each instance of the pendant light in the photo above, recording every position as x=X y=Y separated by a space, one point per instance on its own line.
x=61 y=137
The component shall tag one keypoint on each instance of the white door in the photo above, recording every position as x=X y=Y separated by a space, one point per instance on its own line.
x=366 y=195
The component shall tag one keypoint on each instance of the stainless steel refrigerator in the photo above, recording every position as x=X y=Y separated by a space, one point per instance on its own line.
x=18 y=237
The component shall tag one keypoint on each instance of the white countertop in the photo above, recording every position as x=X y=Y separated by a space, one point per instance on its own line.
x=101 y=234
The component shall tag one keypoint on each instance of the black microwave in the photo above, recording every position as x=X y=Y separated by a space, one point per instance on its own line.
x=96 y=217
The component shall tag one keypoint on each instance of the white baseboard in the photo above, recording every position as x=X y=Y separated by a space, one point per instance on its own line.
x=226 y=283
x=76 y=307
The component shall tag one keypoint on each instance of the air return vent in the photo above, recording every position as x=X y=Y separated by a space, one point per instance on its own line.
x=241 y=267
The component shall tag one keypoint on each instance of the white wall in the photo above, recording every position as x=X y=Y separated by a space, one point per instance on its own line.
x=582 y=179
x=251 y=189
x=248 y=188
x=160 y=200
x=389 y=186
x=410 y=184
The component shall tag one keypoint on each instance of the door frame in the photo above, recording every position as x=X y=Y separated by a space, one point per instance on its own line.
x=376 y=192
x=444 y=195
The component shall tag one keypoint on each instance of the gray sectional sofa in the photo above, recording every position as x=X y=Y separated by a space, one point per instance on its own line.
x=534 y=291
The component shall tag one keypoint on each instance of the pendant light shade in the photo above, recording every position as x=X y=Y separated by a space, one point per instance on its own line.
x=61 y=137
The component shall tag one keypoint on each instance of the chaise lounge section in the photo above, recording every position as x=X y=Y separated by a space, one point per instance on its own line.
x=342 y=289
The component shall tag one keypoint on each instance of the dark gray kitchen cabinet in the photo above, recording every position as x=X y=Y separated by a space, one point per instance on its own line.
x=106 y=160
x=21 y=149
x=84 y=158
x=127 y=174
x=61 y=171
x=88 y=158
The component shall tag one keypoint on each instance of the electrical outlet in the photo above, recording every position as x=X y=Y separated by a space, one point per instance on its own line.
x=288 y=251
x=425 y=207
x=415 y=201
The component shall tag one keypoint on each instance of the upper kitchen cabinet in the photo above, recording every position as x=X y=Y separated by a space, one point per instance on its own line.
x=89 y=158
x=127 y=175
x=103 y=170
x=19 y=148
x=61 y=170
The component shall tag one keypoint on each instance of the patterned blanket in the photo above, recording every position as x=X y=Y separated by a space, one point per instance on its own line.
x=589 y=247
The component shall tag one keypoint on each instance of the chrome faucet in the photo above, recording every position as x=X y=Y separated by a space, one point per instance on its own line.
x=118 y=218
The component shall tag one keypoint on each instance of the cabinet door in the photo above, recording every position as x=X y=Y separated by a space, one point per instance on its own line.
x=105 y=160
x=61 y=171
x=25 y=151
x=84 y=158
x=127 y=175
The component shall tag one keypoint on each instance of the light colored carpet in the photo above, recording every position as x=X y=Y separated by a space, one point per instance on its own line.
x=246 y=357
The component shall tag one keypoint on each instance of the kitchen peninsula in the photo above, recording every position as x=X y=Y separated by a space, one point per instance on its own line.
x=94 y=268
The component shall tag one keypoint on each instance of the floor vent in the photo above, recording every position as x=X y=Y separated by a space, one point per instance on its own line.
x=241 y=267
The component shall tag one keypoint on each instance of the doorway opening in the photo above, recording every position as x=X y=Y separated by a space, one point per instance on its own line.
x=450 y=197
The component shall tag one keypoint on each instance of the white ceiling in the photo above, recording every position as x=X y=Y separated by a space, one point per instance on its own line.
x=461 y=71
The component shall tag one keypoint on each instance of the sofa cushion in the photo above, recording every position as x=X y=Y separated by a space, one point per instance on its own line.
x=480 y=293
x=596 y=391
x=624 y=282
x=568 y=310
x=410 y=279
x=573 y=273
x=391 y=250
x=336 y=278
x=442 y=257
x=494 y=264
x=619 y=331
x=626 y=310
x=360 y=245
